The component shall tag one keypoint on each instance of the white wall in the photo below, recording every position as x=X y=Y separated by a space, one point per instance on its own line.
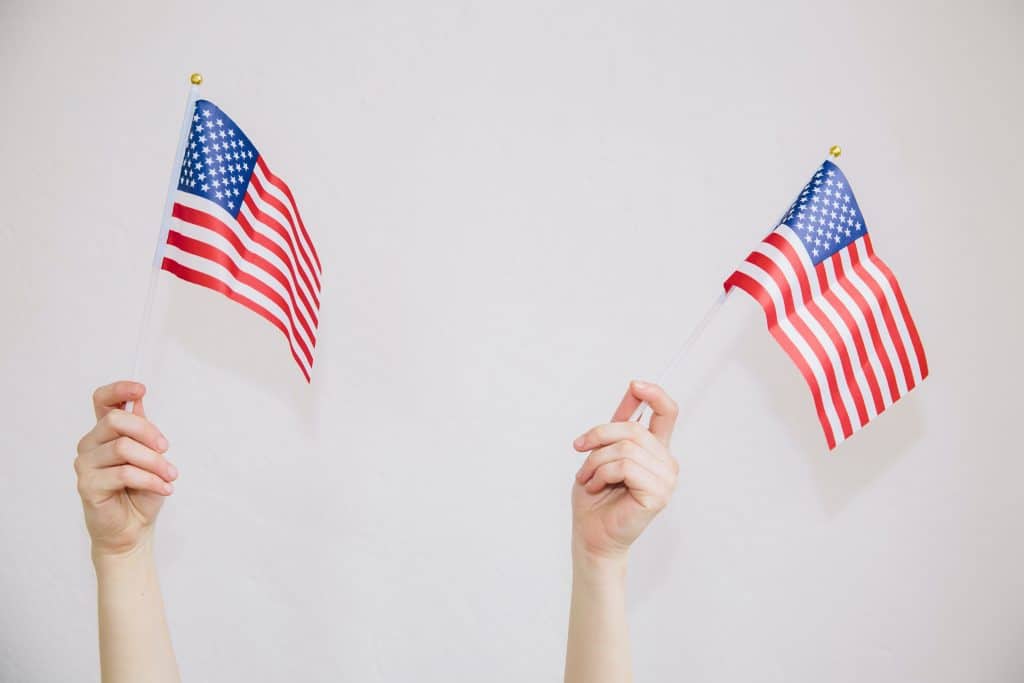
x=519 y=207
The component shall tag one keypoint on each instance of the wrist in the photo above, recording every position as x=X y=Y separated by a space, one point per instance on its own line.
x=112 y=559
x=598 y=565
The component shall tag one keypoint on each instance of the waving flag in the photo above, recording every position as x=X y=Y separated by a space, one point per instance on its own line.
x=236 y=229
x=835 y=307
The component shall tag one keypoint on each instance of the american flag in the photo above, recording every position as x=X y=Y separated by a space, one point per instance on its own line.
x=835 y=307
x=235 y=228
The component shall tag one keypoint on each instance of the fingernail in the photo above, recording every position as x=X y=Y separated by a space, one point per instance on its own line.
x=161 y=443
x=168 y=489
x=637 y=384
x=580 y=440
x=172 y=471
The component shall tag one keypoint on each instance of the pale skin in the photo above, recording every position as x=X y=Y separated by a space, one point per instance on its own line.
x=625 y=481
x=123 y=478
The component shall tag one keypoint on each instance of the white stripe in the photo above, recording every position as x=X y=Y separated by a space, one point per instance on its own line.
x=291 y=211
x=283 y=219
x=816 y=328
x=834 y=317
x=218 y=272
x=206 y=206
x=797 y=340
x=295 y=260
x=285 y=243
x=897 y=314
x=865 y=332
x=218 y=242
x=854 y=278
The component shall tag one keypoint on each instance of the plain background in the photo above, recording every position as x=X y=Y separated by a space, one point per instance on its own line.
x=520 y=206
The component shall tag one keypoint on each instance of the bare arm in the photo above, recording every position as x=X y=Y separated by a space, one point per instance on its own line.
x=624 y=483
x=123 y=478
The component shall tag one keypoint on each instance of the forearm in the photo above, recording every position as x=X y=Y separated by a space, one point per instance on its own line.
x=135 y=644
x=598 y=646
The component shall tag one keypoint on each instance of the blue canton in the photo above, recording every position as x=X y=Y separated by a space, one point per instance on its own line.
x=219 y=158
x=826 y=215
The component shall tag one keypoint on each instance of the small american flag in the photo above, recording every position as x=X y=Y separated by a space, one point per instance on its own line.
x=235 y=228
x=835 y=307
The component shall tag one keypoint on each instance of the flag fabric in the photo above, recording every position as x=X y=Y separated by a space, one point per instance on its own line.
x=236 y=229
x=835 y=307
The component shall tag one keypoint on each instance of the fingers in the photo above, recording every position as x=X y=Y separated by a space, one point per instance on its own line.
x=100 y=484
x=628 y=404
x=125 y=451
x=647 y=489
x=607 y=434
x=664 y=468
x=664 y=409
x=115 y=396
x=117 y=423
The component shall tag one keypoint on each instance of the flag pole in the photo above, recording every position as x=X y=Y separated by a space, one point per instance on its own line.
x=691 y=339
x=641 y=410
x=195 y=81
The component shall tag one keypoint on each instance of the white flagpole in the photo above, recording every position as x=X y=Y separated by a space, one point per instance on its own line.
x=691 y=339
x=641 y=410
x=141 y=346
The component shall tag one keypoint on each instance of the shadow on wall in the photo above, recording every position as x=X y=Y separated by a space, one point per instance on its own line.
x=840 y=475
x=223 y=334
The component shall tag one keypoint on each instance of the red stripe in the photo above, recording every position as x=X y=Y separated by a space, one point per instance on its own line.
x=204 y=280
x=211 y=253
x=270 y=244
x=784 y=246
x=276 y=203
x=890 y=322
x=281 y=185
x=915 y=339
x=271 y=223
x=858 y=338
x=772 y=269
x=204 y=220
x=760 y=294
x=869 y=318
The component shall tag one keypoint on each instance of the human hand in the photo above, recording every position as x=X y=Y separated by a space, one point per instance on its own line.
x=628 y=477
x=123 y=474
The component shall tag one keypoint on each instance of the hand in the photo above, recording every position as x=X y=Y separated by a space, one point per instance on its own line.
x=628 y=477
x=123 y=476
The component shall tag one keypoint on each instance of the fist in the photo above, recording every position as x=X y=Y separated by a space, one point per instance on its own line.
x=628 y=476
x=123 y=473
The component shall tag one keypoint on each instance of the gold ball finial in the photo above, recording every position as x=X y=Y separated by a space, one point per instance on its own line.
x=835 y=151
x=196 y=79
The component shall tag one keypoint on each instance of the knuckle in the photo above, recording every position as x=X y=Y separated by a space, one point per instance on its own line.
x=124 y=474
x=630 y=448
x=80 y=446
x=672 y=406
x=77 y=464
x=111 y=419
x=123 y=447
